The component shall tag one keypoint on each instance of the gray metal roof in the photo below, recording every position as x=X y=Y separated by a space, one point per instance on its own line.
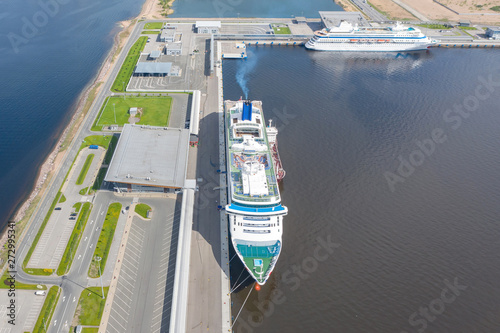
x=168 y=32
x=174 y=46
x=153 y=68
x=150 y=156
x=155 y=54
x=210 y=24
x=333 y=18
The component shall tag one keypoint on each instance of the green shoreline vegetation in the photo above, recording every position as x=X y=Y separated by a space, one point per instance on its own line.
x=150 y=32
x=47 y=311
x=105 y=239
x=128 y=66
x=85 y=169
x=74 y=240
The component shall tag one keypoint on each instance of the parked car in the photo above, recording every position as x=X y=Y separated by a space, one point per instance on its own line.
x=40 y=293
x=57 y=208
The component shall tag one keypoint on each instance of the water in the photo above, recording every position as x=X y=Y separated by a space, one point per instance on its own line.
x=259 y=8
x=42 y=80
x=51 y=50
x=344 y=120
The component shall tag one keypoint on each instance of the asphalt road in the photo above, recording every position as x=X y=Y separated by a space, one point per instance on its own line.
x=370 y=11
x=76 y=280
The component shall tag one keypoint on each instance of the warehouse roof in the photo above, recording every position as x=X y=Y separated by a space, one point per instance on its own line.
x=153 y=68
x=150 y=156
x=208 y=24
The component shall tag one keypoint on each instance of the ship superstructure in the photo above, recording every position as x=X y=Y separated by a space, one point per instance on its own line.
x=349 y=37
x=254 y=202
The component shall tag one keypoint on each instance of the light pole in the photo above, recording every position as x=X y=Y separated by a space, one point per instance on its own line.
x=123 y=83
x=114 y=111
x=44 y=326
x=98 y=259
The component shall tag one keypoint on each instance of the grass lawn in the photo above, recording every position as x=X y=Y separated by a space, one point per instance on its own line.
x=5 y=284
x=90 y=330
x=155 y=111
x=63 y=199
x=153 y=25
x=434 y=26
x=39 y=234
x=142 y=210
x=74 y=239
x=467 y=28
x=47 y=311
x=85 y=169
x=128 y=66
x=84 y=191
x=279 y=29
x=90 y=306
x=77 y=206
x=105 y=239
x=150 y=32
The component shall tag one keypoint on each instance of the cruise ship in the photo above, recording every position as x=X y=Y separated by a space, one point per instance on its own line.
x=254 y=203
x=348 y=37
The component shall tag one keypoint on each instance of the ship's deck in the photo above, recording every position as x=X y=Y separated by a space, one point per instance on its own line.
x=238 y=158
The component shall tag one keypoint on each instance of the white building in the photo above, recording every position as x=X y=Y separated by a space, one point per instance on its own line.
x=208 y=27
x=168 y=34
x=173 y=48
x=493 y=32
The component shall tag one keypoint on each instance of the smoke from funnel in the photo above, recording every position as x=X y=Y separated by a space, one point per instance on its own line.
x=245 y=67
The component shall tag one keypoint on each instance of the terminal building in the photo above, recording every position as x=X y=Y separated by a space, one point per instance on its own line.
x=149 y=159
x=149 y=68
x=208 y=27
x=332 y=18
x=173 y=48
x=493 y=32
x=168 y=34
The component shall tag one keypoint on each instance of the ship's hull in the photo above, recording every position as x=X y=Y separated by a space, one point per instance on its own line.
x=247 y=261
x=368 y=47
x=255 y=220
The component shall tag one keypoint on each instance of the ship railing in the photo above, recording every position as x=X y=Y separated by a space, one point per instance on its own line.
x=254 y=37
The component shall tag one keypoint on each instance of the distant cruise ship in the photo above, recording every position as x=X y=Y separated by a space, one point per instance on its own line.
x=253 y=171
x=347 y=37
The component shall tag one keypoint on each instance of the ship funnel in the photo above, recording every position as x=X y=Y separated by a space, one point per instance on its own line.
x=247 y=111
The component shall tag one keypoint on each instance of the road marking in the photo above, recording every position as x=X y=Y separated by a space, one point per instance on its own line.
x=64 y=312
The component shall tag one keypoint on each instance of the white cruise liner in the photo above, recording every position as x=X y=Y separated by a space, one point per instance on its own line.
x=254 y=202
x=346 y=37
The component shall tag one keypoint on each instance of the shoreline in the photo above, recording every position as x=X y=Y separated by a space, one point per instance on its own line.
x=22 y=214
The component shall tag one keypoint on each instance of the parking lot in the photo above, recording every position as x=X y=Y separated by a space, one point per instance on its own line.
x=142 y=300
x=190 y=63
x=28 y=306
x=52 y=243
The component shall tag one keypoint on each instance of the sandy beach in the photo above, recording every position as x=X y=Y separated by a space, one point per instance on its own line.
x=477 y=11
x=151 y=9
